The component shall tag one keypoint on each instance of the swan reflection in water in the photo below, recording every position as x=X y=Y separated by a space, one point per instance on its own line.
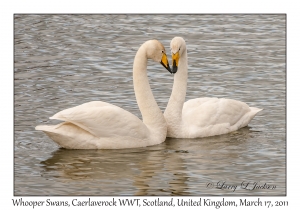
x=175 y=167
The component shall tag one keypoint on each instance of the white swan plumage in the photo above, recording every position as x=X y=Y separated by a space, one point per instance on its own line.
x=100 y=125
x=200 y=117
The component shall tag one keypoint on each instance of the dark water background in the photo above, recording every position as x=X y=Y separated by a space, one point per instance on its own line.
x=66 y=60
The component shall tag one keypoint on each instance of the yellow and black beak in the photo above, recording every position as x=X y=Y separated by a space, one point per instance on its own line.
x=175 y=60
x=164 y=61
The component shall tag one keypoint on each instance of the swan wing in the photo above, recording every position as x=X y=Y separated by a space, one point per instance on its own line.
x=104 y=120
x=204 y=112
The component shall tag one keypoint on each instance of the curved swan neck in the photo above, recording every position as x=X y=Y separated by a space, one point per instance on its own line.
x=152 y=115
x=177 y=98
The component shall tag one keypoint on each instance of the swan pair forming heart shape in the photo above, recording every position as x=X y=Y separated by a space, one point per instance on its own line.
x=100 y=125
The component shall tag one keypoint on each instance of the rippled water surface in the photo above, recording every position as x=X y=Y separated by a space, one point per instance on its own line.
x=65 y=60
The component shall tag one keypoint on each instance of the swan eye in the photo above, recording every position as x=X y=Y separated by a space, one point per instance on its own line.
x=179 y=48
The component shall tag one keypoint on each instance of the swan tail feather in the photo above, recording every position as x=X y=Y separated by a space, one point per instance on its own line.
x=47 y=127
x=67 y=134
x=250 y=116
x=59 y=117
x=255 y=110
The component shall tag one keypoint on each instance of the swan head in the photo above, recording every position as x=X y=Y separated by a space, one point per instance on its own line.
x=177 y=48
x=156 y=51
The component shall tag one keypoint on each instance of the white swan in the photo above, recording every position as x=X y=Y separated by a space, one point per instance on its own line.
x=100 y=125
x=200 y=117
